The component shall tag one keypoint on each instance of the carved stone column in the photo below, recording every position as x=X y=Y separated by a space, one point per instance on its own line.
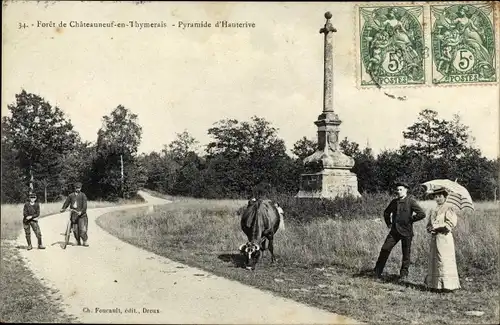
x=328 y=169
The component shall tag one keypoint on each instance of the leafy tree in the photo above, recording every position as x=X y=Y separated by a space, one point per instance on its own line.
x=455 y=138
x=78 y=166
x=415 y=168
x=248 y=155
x=152 y=163
x=349 y=148
x=441 y=149
x=182 y=146
x=390 y=168
x=433 y=138
x=424 y=134
x=40 y=135
x=189 y=178
x=14 y=190
x=228 y=139
x=478 y=174
x=115 y=169
x=120 y=132
x=365 y=167
x=224 y=177
x=163 y=169
x=304 y=147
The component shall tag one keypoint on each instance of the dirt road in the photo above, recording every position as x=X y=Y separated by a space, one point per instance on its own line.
x=114 y=282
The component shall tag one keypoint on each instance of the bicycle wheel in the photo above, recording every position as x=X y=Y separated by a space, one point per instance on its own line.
x=67 y=234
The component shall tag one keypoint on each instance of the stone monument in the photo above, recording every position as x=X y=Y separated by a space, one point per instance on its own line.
x=328 y=172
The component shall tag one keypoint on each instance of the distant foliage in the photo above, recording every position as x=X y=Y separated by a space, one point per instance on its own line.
x=243 y=159
x=14 y=183
x=248 y=159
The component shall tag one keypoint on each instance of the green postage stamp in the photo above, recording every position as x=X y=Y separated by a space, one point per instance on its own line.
x=392 y=45
x=463 y=44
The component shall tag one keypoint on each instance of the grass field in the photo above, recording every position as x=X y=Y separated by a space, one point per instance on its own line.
x=321 y=261
x=23 y=298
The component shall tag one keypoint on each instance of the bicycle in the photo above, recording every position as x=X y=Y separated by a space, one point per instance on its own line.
x=67 y=233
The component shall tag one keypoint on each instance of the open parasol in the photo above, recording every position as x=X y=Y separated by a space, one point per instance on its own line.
x=458 y=195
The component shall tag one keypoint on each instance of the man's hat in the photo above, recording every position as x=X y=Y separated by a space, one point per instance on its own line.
x=78 y=185
x=404 y=184
x=32 y=196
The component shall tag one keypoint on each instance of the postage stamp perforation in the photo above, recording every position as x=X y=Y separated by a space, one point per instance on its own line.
x=426 y=22
x=357 y=67
x=463 y=43
x=496 y=30
x=357 y=37
x=391 y=45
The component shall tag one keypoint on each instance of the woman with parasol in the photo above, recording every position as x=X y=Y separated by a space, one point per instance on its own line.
x=442 y=274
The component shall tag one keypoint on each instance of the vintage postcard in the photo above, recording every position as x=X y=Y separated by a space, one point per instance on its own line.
x=250 y=162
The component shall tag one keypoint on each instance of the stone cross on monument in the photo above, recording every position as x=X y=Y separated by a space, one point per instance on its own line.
x=328 y=172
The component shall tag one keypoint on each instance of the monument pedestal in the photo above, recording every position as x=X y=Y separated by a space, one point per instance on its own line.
x=328 y=184
x=328 y=172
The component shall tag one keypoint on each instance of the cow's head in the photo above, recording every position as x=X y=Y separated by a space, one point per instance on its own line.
x=251 y=252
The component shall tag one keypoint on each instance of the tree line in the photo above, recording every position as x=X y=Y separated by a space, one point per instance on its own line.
x=43 y=153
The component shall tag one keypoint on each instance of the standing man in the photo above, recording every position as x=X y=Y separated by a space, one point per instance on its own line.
x=77 y=201
x=31 y=213
x=399 y=217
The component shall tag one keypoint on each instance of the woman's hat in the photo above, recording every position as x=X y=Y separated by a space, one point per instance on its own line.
x=404 y=184
x=440 y=190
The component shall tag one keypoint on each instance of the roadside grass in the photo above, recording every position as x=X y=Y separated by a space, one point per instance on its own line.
x=321 y=262
x=23 y=298
x=347 y=208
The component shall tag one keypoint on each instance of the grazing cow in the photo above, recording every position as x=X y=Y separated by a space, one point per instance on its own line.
x=259 y=222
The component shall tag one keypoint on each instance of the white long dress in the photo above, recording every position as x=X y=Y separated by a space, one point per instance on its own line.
x=442 y=271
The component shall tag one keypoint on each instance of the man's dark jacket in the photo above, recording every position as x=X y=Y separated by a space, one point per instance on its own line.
x=402 y=215
x=77 y=201
x=31 y=210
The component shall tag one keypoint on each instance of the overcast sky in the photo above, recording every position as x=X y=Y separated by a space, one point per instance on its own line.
x=186 y=79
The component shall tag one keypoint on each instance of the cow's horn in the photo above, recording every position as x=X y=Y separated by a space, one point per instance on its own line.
x=241 y=247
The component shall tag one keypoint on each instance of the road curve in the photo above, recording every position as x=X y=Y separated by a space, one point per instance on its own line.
x=115 y=282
